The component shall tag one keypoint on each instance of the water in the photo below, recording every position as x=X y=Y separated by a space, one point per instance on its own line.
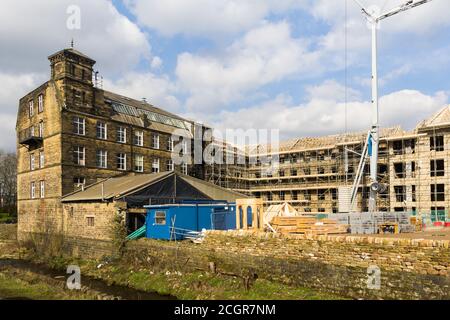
x=123 y=292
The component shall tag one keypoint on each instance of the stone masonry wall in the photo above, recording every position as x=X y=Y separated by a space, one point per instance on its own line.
x=8 y=232
x=76 y=220
x=410 y=269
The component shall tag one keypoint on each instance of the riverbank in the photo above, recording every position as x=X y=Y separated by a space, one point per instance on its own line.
x=252 y=265
x=194 y=285
x=18 y=285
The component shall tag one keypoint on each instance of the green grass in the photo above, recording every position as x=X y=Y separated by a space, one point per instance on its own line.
x=204 y=286
x=15 y=288
x=7 y=218
x=197 y=285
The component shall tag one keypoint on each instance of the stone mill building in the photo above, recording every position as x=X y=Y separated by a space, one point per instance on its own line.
x=71 y=133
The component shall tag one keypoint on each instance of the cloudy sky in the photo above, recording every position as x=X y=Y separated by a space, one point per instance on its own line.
x=238 y=63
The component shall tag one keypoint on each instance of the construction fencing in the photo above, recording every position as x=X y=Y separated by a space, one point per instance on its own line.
x=435 y=216
x=370 y=223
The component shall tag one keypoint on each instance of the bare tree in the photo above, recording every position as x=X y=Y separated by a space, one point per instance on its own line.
x=8 y=182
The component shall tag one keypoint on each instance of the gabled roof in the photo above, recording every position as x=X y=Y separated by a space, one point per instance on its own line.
x=124 y=186
x=114 y=187
x=324 y=142
x=442 y=117
x=211 y=190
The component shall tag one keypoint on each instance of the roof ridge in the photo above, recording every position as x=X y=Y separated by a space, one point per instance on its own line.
x=442 y=111
x=162 y=175
x=183 y=176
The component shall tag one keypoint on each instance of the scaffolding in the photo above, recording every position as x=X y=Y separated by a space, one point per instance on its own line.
x=413 y=168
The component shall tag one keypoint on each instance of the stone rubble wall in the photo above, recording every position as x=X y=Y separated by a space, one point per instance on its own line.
x=410 y=269
x=8 y=231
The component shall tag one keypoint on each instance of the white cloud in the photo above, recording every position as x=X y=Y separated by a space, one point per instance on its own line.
x=322 y=115
x=156 y=63
x=354 y=32
x=426 y=18
x=264 y=55
x=33 y=30
x=158 y=90
x=395 y=74
x=332 y=90
x=206 y=17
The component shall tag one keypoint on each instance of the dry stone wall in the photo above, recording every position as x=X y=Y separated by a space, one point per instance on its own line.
x=410 y=269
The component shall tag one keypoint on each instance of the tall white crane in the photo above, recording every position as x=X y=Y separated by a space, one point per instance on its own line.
x=374 y=20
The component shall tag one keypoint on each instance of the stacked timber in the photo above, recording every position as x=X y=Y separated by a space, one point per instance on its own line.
x=307 y=225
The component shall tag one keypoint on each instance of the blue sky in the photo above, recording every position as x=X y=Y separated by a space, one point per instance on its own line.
x=240 y=64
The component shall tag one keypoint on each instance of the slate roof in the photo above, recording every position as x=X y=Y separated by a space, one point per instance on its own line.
x=118 y=187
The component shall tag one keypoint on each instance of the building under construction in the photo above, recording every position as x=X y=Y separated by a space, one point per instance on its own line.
x=315 y=174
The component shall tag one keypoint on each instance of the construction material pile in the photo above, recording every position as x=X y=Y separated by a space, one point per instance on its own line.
x=307 y=225
x=374 y=222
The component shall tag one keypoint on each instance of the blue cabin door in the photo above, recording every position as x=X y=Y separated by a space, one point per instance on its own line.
x=249 y=217
x=219 y=220
x=241 y=217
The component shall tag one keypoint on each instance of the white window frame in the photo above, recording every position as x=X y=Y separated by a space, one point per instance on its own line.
x=102 y=130
x=41 y=103
x=184 y=168
x=170 y=165
x=33 y=190
x=139 y=163
x=184 y=146
x=42 y=189
x=160 y=218
x=79 y=126
x=156 y=166
x=80 y=153
x=32 y=162
x=170 y=144
x=122 y=134
x=139 y=138
x=122 y=161
x=155 y=141
x=41 y=129
x=30 y=108
x=41 y=159
x=81 y=181
x=102 y=159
